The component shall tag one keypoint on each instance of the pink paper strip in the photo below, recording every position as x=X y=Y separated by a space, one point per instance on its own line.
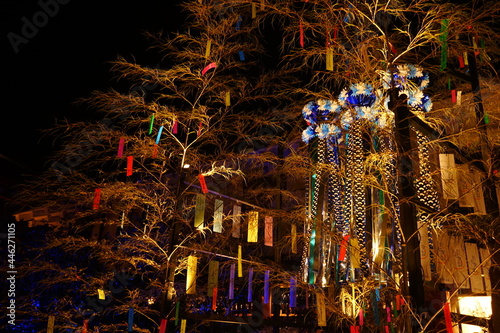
x=208 y=67
x=121 y=145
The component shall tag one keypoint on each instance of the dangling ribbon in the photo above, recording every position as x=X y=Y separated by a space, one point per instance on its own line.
x=203 y=184
x=301 y=34
x=461 y=62
x=130 y=319
x=151 y=123
x=240 y=263
x=236 y=221
x=130 y=163
x=215 y=291
x=85 y=326
x=343 y=248
x=237 y=27
x=175 y=127
x=121 y=146
x=294 y=237
x=361 y=317
x=218 y=211
x=208 y=67
x=459 y=97
x=253 y=226
x=447 y=317
x=97 y=199
x=158 y=137
x=250 y=285
x=443 y=38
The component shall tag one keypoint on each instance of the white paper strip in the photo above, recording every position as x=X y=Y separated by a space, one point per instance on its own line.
x=425 y=258
x=460 y=272
x=443 y=258
x=448 y=176
x=473 y=262
x=219 y=206
x=486 y=260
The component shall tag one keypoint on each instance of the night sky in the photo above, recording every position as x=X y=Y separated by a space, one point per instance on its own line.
x=65 y=59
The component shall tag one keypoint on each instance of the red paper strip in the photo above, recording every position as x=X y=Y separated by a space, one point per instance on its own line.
x=461 y=62
x=155 y=151
x=453 y=96
x=85 y=326
x=203 y=184
x=343 y=248
x=386 y=329
x=121 y=145
x=393 y=49
x=97 y=199
x=130 y=163
x=208 y=67
x=447 y=317
x=335 y=34
x=163 y=325
x=301 y=37
x=398 y=302
x=361 y=317
x=214 y=298
x=175 y=126
x=200 y=127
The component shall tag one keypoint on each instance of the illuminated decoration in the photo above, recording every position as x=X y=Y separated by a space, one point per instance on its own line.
x=253 y=226
x=236 y=221
x=121 y=146
x=101 y=294
x=219 y=206
x=210 y=66
x=199 y=211
x=97 y=199
x=192 y=265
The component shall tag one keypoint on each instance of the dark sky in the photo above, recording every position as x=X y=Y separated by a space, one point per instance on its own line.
x=64 y=59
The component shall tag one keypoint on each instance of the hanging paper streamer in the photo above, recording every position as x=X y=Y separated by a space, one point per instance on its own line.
x=241 y=54
x=448 y=176
x=266 y=287
x=213 y=276
x=250 y=285
x=240 y=263
x=293 y=292
x=130 y=319
x=231 y=281
x=329 y=58
x=175 y=127
x=203 y=184
x=454 y=96
x=100 y=294
x=219 y=206
x=177 y=310
x=227 y=98
x=355 y=257
x=85 y=326
x=268 y=231
x=343 y=248
x=473 y=261
x=183 y=326
x=199 y=213
x=50 y=324
x=163 y=325
x=320 y=302
x=238 y=24
x=253 y=226
x=388 y=310
x=236 y=221
x=447 y=317
x=294 y=237
x=151 y=123
x=208 y=48
x=486 y=265
x=121 y=146
x=200 y=127
x=301 y=34
x=215 y=291
x=192 y=265
x=361 y=317
x=158 y=136
x=459 y=97
x=130 y=163
x=254 y=10
x=466 y=58
x=461 y=62
x=208 y=67
x=443 y=37
x=154 y=154
x=97 y=199
x=262 y=6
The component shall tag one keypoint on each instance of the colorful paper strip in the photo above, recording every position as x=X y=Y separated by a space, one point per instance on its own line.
x=213 y=276
x=250 y=285
x=236 y=221
x=208 y=67
x=163 y=325
x=199 y=213
x=268 y=231
x=183 y=326
x=130 y=319
x=151 y=123
x=293 y=292
x=240 y=262
x=219 y=207
x=227 y=98
x=158 y=137
x=208 y=48
x=97 y=199
x=203 y=183
x=232 y=272
x=266 y=287
x=121 y=146
x=130 y=164
x=50 y=324
x=192 y=265
x=253 y=226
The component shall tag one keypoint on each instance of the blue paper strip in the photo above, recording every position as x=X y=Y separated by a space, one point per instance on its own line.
x=130 y=319
x=159 y=135
x=242 y=55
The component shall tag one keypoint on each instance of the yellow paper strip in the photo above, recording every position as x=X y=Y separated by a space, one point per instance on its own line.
x=355 y=260
x=183 y=325
x=192 y=264
x=466 y=58
x=294 y=238
x=213 y=276
x=240 y=264
x=320 y=302
x=101 y=294
x=253 y=226
x=254 y=10
x=262 y=5
x=227 y=98
x=50 y=324
x=208 y=48
x=329 y=58
x=199 y=214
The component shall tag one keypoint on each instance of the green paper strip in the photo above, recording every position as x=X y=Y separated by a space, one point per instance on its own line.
x=312 y=244
x=151 y=122
x=177 y=306
x=486 y=118
x=443 y=37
